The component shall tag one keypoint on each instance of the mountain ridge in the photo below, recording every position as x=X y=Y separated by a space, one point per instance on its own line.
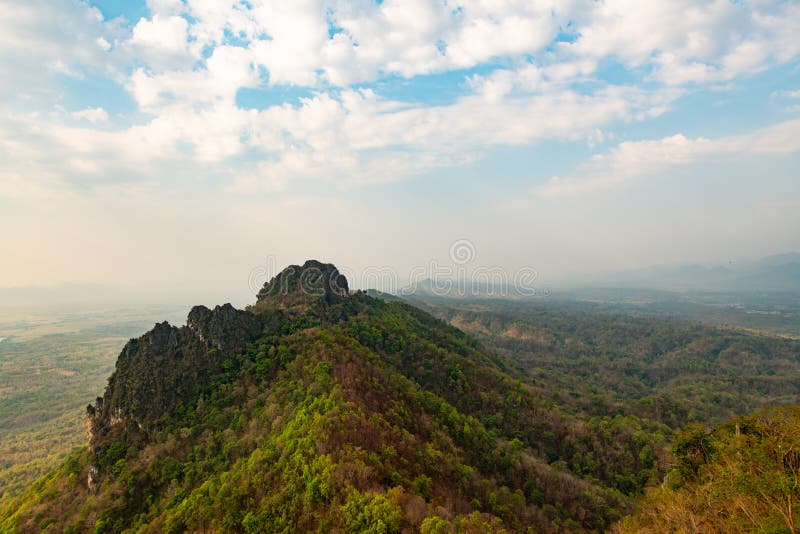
x=370 y=416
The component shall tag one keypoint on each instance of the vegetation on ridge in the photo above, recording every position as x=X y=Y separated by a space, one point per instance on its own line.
x=315 y=410
x=744 y=476
x=350 y=413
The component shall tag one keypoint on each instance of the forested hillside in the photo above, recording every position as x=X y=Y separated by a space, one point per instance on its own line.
x=319 y=410
x=744 y=476
x=604 y=364
x=322 y=409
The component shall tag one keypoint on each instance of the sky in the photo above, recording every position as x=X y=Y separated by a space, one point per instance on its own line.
x=205 y=143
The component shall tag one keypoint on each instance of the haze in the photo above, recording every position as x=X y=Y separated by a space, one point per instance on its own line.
x=183 y=144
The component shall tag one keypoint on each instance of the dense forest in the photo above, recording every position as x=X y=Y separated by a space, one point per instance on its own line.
x=320 y=409
x=605 y=364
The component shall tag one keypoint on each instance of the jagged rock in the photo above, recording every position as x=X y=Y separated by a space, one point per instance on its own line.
x=164 y=368
x=312 y=280
x=224 y=328
x=92 y=411
x=91 y=479
x=169 y=366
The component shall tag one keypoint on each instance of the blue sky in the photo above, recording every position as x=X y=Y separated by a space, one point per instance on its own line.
x=185 y=141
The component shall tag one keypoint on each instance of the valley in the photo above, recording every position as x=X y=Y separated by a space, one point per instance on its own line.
x=51 y=365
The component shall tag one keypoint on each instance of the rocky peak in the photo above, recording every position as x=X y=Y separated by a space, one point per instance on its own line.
x=170 y=367
x=224 y=328
x=312 y=280
x=162 y=337
x=165 y=368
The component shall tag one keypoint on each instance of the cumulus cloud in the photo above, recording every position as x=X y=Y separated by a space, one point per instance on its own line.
x=683 y=41
x=357 y=137
x=227 y=70
x=344 y=42
x=297 y=34
x=162 y=42
x=529 y=78
x=42 y=39
x=632 y=160
x=186 y=62
x=91 y=114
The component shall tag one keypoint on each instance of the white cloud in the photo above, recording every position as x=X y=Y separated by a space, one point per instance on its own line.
x=40 y=39
x=531 y=78
x=790 y=100
x=188 y=99
x=364 y=138
x=788 y=94
x=165 y=8
x=410 y=38
x=225 y=72
x=632 y=160
x=91 y=114
x=162 y=43
x=358 y=137
x=310 y=42
x=691 y=42
x=298 y=32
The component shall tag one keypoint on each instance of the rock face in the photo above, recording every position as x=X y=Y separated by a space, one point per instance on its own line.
x=224 y=328
x=163 y=368
x=312 y=280
x=169 y=366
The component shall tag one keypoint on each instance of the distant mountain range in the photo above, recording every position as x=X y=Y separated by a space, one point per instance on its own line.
x=776 y=273
x=772 y=274
x=780 y=272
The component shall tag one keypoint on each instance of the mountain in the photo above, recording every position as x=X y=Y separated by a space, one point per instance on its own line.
x=321 y=409
x=466 y=289
x=777 y=273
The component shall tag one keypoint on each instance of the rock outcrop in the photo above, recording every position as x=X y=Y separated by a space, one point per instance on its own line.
x=163 y=369
x=171 y=366
x=313 y=280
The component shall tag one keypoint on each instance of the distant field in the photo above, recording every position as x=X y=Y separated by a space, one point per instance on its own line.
x=51 y=366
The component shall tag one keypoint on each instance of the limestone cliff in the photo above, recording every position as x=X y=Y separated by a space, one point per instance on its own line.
x=171 y=366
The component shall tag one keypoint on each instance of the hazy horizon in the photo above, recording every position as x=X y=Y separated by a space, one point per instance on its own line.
x=271 y=265
x=461 y=265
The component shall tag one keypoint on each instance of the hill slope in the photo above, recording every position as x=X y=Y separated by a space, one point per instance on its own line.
x=317 y=409
x=599 y=363
x=744 y=476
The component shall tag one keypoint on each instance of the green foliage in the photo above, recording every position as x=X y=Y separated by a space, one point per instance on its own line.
x=370 y=514
x=605 y=363
x=368 y=416
x=422 y=486
x=436 y=525
x=743 y=476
